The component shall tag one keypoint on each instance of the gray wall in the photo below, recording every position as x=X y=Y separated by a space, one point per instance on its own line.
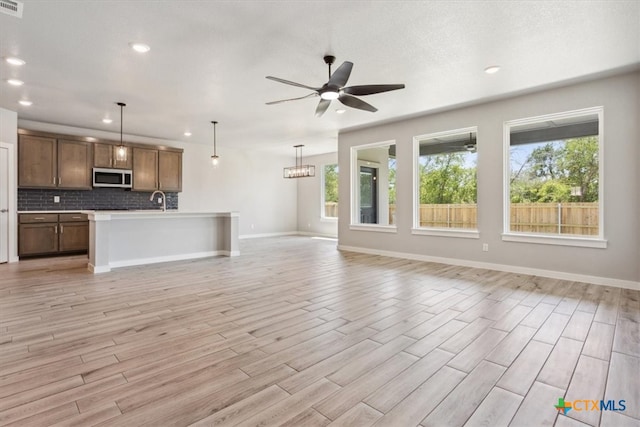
x=309 y=197
x=619 y=97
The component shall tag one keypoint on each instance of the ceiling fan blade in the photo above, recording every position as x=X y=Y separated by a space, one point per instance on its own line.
x=352 y=101
x=292 y=99
x=287 y=82
x=341 y=75
x=322 y=107
x=370 y=89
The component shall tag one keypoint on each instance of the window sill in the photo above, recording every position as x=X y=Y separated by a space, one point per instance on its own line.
x=446 y=232
x=374 y=227
x=328 y=219
x=555 y=240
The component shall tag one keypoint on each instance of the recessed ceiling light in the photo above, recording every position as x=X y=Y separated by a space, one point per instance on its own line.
x=107 y=121
x=15 y=82
x=25 y=102
x=187 y=134
x=140 y=47
x=492 y=69
x=340 y=110
x=14 y=61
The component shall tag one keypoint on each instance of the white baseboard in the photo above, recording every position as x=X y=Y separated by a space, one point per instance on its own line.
x=596 y=280
x=169 y=258
x=310 y=234
x=97 y=270
x=258 y=236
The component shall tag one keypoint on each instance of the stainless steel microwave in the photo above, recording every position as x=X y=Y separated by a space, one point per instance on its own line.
x=118 y=178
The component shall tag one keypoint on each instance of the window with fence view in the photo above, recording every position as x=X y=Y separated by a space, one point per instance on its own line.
x=554 y=176
x=330 y=182
x=446 y=173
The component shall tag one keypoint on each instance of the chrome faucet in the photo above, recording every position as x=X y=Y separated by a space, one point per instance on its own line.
x=164 y=199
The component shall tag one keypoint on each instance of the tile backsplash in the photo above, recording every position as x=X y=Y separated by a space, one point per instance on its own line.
x=98 y=198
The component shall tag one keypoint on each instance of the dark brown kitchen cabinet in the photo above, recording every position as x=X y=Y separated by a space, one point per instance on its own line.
x=37 y=161
x=105 y=156
x=169 y=171
x=74 y=164
x=74 y=233
x=37 y=234
x=45 y=162
x=145 y=169
x=50 y=234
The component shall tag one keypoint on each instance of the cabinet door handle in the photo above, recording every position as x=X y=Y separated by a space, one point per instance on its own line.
x=59 y=181
x=56 y=227
x=61 y=228
x=54 y=180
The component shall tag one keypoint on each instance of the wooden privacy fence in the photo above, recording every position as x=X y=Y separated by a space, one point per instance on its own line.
x=331 y=210
x=549 y=218
x=555 y=218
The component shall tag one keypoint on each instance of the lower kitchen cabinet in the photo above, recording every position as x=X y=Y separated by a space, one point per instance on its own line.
x=51 y=234
x=74 y=233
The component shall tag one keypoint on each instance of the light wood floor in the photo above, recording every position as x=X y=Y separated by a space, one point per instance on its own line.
x=295 y=333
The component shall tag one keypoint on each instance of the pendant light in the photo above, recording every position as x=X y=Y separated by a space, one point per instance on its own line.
x=121 y=152
x=299 y=170
x=215 y=159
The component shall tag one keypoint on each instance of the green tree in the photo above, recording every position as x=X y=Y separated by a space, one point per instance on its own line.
x=580 y=166
x=331 y=183
x=556 y=170
x=445 y=179
x=392 y=181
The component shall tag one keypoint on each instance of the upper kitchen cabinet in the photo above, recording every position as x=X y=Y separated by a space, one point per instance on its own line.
x=37 y=161
x=46 y=162
x=169 y=171
x=105 y=156
x=157 y=169
x=145 y=169
x=74 y=164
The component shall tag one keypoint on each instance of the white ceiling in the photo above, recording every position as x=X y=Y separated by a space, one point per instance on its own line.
x=209 y=59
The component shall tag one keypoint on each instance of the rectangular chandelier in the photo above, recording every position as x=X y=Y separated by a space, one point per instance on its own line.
x=299 y=170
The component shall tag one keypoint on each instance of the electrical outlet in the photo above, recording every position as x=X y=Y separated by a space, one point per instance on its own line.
x=485 y=247
x=56 y=199
x=159 y=200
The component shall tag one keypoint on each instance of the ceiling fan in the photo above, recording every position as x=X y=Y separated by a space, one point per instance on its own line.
x=335 y=89
x=457 y=146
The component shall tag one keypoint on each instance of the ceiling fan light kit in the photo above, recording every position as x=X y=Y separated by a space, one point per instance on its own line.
x=336 y=88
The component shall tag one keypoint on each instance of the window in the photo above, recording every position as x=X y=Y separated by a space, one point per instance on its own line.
x=553 y=178
x=445 y=196
x=373 y=168
x=330 y=191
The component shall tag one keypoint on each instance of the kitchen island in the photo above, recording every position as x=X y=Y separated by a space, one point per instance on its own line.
x=126 y=238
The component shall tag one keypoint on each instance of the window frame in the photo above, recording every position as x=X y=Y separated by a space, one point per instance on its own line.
x=323 y=217
x=438 y=231
x=543 y=238
x=354 y=177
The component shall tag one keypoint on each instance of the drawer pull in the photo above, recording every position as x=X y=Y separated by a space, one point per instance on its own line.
x=76 y=217
x=39 y=218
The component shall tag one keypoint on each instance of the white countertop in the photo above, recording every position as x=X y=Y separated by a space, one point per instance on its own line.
x=153 y=213
x=51 y=212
